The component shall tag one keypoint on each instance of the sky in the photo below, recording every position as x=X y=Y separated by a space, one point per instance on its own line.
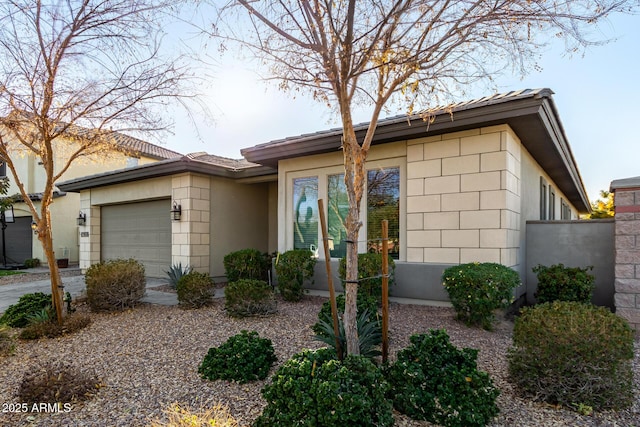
x=597 y=95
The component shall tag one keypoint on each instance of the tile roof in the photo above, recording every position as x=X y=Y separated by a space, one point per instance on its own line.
x=225 y=162
x=141 y=147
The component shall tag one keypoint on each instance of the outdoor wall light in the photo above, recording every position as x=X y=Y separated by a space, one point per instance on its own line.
x=176 y=211
x=34 y=227
x=82 y=218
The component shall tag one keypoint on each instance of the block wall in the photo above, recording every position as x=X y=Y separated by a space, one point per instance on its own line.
x=627 y=260
x=463 y=197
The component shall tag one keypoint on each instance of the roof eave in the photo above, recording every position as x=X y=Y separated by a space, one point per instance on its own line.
x=534 y=119
x=160 y=169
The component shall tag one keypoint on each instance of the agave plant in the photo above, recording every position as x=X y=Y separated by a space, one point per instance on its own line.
x=41 y=316
x=176 y=272
x=369 y=333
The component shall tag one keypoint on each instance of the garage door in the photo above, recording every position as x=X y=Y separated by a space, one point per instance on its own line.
x=18 y=240
x=138 y=230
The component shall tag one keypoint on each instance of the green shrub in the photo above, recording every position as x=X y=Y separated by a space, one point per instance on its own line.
x=370 y=274
x=53 y=382
x=50 y=328
x=195 y=290
x=368 y=324
x=573 y=354
x=242 y=358
x=7 y=342
x=433 y=380
x=32 y=262
x=560 y=283
x=249 y=298
x=314 y=389
x=115 y=285
x=476 y=290
x=176 y=272
x=247 y=264
x=17 y=315
x=293 y=269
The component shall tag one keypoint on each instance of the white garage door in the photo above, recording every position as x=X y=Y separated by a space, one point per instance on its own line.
x=138 y=230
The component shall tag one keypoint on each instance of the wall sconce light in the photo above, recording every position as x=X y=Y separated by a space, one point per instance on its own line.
x=176 y=211
x=82 y=218
x=34 y=227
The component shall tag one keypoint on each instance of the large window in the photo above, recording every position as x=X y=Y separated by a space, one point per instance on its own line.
x=380 y=201
x=337 y=208
x=305 y=213
x=383 y=202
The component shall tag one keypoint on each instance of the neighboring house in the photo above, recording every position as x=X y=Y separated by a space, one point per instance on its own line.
x=458 y=188
x=20 y=240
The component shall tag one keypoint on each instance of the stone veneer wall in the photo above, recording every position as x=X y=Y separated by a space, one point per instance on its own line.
x=190 y=236
x=627 y=259
x=463 y=197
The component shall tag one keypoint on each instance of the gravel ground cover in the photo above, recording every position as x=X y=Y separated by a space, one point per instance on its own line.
x=147 y=358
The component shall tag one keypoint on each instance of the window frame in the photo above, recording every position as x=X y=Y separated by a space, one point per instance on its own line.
x=543 y=199
x=322 y=174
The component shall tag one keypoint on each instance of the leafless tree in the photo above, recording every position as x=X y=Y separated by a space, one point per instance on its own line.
x=350 y=53
x=72 y=73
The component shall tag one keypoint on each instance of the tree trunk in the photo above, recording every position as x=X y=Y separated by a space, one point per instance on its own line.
x=354 y=163
x=46 y=239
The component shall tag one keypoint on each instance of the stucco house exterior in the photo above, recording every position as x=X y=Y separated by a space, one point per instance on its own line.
x=457 y=188
x=20 y=241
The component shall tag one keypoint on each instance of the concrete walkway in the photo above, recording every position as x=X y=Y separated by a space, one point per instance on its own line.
x=9 y=294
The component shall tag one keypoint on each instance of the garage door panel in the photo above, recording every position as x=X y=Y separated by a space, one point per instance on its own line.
x=141 y=231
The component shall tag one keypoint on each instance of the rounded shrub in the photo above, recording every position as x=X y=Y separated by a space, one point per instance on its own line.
x=49 y=328
x=313 y=388
x=195 y=290
x=115 y=284
x=476 y=290
x=18 y=314
x=249 y=298
x=573 y=354
x=560 y=283
x=246 y=264
x=294 y=268
x=242 y=358
x=370 y=274
x=433 y=380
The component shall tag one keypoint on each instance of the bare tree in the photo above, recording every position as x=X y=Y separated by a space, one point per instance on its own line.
x=373 y=53
x=72 y=73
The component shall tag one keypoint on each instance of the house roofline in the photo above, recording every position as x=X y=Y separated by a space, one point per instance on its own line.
x=532 y=115
x=163 y=168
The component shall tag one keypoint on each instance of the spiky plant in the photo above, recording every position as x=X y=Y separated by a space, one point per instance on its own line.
x=176 y=272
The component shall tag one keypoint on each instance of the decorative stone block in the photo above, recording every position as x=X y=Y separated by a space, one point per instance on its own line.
x=461 y=239
x=442 y=184
x=480 y=181
x=442 y=255
x=423 y=203
x=625 y=271
x=625 y=198
x=461 y=165
x=442 y=221
x=624 y=242
x=461 y=201
x=624 y=300
x=627 y=285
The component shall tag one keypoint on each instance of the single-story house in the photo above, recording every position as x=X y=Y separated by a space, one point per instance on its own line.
x=457 y=188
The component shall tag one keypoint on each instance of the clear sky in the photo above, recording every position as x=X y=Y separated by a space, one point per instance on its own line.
x=597 y=95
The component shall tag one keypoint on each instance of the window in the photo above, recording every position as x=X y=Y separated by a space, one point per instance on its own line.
x=3 y=169
x=565 y=210
x=552 y=204
x=305 y=213
x=383 y=202
x=337 y=208
x=543 y=199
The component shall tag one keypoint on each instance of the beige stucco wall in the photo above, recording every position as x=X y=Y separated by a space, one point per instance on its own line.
x=240 y=217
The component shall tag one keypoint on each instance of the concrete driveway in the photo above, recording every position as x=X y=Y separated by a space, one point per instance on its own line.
x=10 y=294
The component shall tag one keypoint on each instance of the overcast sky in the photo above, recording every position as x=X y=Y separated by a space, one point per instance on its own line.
x=597 y=98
